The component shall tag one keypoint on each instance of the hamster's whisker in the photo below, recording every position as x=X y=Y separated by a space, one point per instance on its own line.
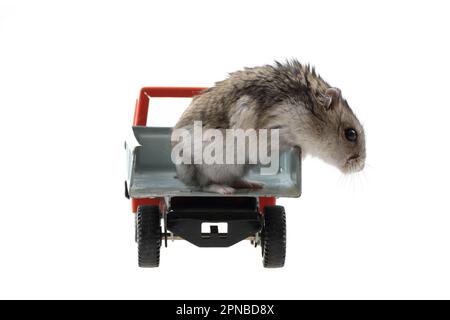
x=364 y=174
x=369 y=165
x=343 y=180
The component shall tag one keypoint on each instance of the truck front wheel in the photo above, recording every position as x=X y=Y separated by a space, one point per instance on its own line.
x=148 y=232
x=273 y=237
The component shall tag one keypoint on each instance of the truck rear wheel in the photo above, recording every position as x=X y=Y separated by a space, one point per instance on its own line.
x=273 y=237
x=148 y=232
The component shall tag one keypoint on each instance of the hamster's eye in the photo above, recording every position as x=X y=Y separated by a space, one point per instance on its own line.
x=351 y=134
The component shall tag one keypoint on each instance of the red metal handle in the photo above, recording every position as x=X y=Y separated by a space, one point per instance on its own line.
x=141 y=110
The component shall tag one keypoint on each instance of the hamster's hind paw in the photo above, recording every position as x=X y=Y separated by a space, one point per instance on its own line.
x=219 y=188
x=248 y=184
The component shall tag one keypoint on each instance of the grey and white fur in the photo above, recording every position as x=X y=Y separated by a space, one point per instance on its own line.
x=309 y=113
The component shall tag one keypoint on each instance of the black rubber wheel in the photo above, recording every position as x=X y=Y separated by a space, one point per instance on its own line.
x=273 y=237
x=148 y=230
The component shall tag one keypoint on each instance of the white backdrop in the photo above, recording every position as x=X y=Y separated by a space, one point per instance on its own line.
x=69 y=76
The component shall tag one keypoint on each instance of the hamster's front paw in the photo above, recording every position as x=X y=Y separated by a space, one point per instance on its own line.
x=219 y=188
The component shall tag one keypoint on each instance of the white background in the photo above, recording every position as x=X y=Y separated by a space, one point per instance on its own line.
x=69 y=75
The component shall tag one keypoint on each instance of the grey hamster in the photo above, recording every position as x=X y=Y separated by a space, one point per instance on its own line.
x=309 y=113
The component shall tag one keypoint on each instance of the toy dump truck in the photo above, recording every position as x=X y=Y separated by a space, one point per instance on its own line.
x=167 y=209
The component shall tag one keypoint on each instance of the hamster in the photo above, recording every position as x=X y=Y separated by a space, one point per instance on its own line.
x=307 y=111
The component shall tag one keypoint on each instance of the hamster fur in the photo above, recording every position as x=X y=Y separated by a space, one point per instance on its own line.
x=292 y=97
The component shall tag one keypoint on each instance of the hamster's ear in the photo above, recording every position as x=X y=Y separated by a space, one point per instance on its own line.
x=334 y=95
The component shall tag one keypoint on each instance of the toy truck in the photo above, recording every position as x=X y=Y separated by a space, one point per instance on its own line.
x=165 y=208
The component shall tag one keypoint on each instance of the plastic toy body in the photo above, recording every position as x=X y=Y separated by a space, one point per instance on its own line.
x=166 y=208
